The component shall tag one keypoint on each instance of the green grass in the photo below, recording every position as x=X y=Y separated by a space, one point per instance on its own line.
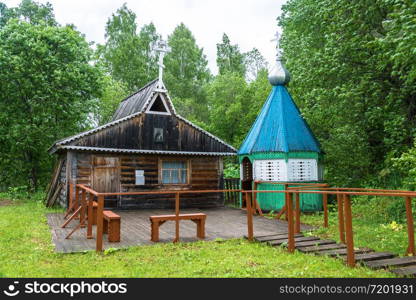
x=378 y=223
x=26 y=251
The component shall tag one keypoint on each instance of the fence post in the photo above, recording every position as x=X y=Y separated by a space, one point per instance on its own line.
x=90 y=215
x=100 y=221
x=176 y=218
x=410 y=227
x=83 y=208
x=325 y=203
x=76 y=198
x=286 y=211
x=349 y=232
x=247 y=198
x=291 y=236
x=297 y=210
x=71 y=198
x=340 y=202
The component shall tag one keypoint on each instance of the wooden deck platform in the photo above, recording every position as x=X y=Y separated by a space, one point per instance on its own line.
x=225 y=223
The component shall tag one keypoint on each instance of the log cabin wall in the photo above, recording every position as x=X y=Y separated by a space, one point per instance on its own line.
x=203 y=173
x=139 y=133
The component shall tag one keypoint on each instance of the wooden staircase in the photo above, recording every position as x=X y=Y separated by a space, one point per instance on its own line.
x=402 y=266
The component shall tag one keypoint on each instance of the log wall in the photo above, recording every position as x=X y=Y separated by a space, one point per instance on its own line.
x=203 y=172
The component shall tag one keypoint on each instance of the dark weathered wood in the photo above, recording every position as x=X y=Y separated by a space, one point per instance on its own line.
x=225 y=223
x=405 y=271
x=373 y=256
x=343 y=252
x=55 y=185
x=275 y=237
x=321 y=248
x=51 y=201
x=391 y=262
x=280 y=241
x=304 y=243
x=312 y=243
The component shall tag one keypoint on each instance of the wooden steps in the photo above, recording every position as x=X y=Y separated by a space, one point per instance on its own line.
x=402 y=266
x=342 y=252
x=392 y=262
x=373 y=256
x=405 y=271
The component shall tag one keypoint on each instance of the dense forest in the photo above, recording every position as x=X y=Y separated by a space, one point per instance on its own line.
x=353 y=65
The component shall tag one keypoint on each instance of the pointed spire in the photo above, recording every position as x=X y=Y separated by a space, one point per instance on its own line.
x=162 y=48
x=278 y=75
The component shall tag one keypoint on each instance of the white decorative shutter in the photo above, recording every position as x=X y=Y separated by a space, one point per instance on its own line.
x=270 y=170
x=303 y=170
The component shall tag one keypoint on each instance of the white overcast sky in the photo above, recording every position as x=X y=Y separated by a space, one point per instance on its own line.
x=248 y=23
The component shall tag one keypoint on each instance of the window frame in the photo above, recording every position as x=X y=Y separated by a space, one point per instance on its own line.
x=187 y=166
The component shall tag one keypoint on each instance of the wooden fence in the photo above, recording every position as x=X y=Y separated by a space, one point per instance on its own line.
x=232 y=198
x=82 y=204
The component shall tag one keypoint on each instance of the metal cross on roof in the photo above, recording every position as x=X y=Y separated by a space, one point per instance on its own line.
x=162 y=48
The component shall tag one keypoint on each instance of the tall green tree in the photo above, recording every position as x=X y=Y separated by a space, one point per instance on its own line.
x=352 y=77
x=186 y=73
x=229 y=57
x=128 y=54
x=48 y=91
x=30 y=11
x=234 y=104
x=254 y=63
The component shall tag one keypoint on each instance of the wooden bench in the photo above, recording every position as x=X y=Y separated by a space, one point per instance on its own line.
x=112 y=226
x=157 y=221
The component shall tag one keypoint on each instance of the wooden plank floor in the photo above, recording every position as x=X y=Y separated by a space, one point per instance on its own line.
x=402 y=266
x=225 y=223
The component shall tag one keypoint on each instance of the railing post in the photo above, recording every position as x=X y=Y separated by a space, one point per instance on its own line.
x=340 y=202
x=77 y=204
x=176 y=218
x=291 y=235
x=83 y=208
x=286 y=210
x=247 y=198
x=254 y=197
x=90 y=215
x=410 y=227
x=100 y=221
x=71 y=198
x=297 y=210
x=349 y=232
x=325 y=204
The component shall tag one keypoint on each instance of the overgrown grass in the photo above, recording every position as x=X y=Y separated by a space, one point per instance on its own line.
x=378 y=222
x=26 y=251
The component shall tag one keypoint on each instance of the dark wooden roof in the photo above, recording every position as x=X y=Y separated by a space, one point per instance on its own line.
x=132 y=129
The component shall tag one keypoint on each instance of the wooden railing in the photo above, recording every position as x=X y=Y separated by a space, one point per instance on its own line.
x=345 y=219
x=232 y=198
x=84 y=196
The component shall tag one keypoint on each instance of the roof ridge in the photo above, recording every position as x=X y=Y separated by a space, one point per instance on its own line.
x=141 y=89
